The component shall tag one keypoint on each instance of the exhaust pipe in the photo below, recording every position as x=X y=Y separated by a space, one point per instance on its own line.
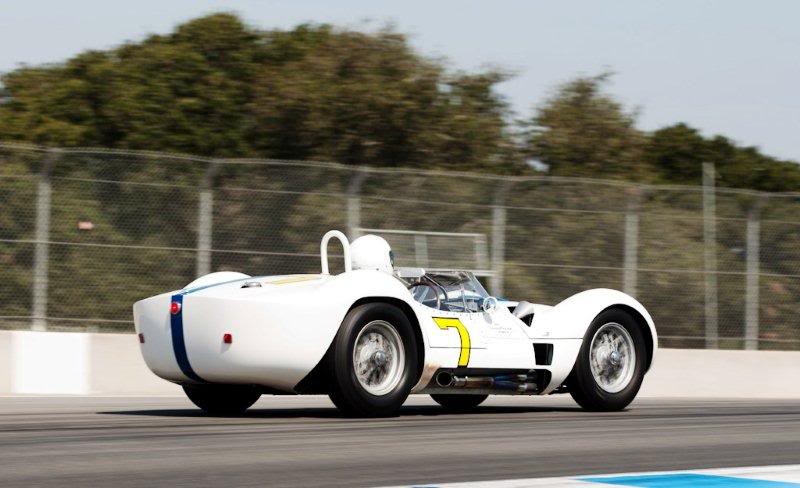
x=519 y=383
x=445 y=379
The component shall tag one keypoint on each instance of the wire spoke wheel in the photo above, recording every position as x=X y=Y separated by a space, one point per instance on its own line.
x=374 y=361
x=611 y=363
x=379 y=358
x=612 y=357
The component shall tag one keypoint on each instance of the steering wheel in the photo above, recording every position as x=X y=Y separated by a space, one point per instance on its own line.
x=432 y=287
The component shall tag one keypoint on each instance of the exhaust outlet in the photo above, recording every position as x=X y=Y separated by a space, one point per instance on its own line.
x=445 y=379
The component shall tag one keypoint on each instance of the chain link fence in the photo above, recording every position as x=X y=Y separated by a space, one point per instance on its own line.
x=85 y=233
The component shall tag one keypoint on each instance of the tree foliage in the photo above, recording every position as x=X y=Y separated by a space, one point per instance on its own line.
x=217 y=87
x=678 y=151
x=584 y=131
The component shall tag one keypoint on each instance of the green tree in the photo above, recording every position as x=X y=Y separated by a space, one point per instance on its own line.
x=678 y=152
x=217 y=87
x=583 y=131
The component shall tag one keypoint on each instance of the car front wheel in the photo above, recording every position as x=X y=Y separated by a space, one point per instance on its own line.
x=611 y=363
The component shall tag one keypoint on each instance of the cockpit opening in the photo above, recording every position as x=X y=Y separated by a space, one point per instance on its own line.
x=454 y=291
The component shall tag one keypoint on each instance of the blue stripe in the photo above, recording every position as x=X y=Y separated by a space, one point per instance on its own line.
x=176 y=326
x=178 y=342
x=680 y=480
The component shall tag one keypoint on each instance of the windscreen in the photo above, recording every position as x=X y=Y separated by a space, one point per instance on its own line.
x=457 y=291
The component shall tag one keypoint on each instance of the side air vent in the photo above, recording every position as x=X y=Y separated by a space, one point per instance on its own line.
x=252 y=284
x=543 y=354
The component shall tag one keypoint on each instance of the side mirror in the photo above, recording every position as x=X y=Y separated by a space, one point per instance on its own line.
x=489 y=304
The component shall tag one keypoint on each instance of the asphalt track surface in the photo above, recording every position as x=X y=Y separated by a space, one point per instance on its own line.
x=303 y=441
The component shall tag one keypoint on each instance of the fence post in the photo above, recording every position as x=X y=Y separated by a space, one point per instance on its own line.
x=354 y=204
x=498 y=254
x=205 y=220
x=421 y=250
x=631 y=264
x=41 y=256
x=710 y=255
x=752 y=282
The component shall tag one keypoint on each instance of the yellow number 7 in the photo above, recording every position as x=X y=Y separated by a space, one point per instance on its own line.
x=445 y=323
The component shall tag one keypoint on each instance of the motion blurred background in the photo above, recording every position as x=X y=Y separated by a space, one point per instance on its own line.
x=548 y=148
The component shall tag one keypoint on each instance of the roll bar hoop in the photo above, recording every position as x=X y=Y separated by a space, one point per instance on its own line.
x=323 y=250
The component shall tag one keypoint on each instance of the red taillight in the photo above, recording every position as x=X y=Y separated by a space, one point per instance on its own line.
x=141 y=338
x=227 y=338
x=174 y=307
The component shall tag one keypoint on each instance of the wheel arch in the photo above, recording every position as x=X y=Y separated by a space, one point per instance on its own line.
x=571 y=318
x=412 y=318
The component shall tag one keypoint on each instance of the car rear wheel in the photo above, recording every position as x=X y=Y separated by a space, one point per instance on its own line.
x=222 y=399
x=374 y=361
x=611 y=363
x=459 y=403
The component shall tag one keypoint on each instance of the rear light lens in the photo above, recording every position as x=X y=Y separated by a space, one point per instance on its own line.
x=227 y=338
x=141 y=338
x=174 y=307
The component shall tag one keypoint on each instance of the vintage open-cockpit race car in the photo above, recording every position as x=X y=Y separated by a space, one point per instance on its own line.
x=372 y=335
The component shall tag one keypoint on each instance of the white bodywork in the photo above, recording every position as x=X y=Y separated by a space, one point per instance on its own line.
x=282 y=329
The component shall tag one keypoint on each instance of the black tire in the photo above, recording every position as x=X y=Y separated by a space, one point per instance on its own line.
x=347 y=393
x=582 y=385
x=459 y=403
x=222 y=399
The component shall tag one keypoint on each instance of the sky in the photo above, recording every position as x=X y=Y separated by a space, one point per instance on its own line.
x=726 y=67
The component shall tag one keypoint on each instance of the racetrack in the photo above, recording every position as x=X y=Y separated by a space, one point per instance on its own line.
x=302 y=441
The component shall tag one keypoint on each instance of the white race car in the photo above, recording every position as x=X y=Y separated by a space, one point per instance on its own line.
x=374 y=334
